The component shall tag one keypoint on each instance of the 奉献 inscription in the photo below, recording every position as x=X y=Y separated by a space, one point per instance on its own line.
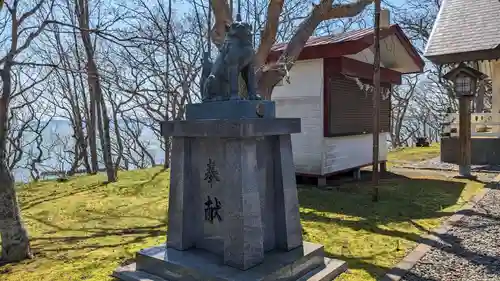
x=211 y=174
x=212 y=210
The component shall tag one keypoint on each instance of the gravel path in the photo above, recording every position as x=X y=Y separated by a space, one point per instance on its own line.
x=470 y=251
x=435 y=163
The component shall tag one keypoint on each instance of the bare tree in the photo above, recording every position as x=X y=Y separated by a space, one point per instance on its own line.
x=269 y=74
x=419 y=108
x=97 y=104
x=401 y=101
x=26 y=114
x=72 y=98
x=160 y=75
x=25 y=28
x=38 y=152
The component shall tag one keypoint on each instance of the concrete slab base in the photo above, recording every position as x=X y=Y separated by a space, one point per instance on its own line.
x=465 y=177
x=231 y=109
x=306 y=263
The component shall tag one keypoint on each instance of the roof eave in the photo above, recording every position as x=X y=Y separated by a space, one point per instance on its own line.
x=482 y=55
x=435 y=26
x=419 y=70
x=362 y=43
x=412 y=51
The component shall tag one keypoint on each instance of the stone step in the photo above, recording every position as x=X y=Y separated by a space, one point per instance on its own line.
x=306 y=263
x=332 y=269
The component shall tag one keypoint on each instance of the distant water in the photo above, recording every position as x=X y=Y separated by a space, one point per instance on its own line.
x=58 y=148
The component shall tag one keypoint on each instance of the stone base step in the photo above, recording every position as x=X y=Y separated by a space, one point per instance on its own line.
x=306 y=263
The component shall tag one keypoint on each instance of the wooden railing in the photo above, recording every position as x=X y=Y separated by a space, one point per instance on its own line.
x=482 y=125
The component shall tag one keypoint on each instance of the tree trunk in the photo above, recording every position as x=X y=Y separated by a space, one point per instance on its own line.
x=119 y=142
x=80 y=138
x=76 y=161
x=108 y=159
x=103 y=124
x=83 y=22
x=89 y=141
x=91 y=133
x=15 y=241
x=96 y=97
x=166 y=164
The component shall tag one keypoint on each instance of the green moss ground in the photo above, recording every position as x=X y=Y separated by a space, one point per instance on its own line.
x=414 y=154
x=82 y=230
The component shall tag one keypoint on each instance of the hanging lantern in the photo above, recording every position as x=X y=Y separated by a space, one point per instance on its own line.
x=464 y=80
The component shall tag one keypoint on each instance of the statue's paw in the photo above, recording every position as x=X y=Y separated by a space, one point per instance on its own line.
x=254 y=97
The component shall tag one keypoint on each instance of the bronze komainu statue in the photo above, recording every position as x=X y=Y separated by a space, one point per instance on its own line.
x=235 y=57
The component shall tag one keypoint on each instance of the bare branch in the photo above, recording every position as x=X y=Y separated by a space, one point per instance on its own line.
x=346 y=10
x=222 y=18
x=323 y=11
x=268 y=37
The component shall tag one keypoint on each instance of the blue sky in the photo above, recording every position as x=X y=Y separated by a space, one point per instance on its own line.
x=183 y=6
x=396 y=2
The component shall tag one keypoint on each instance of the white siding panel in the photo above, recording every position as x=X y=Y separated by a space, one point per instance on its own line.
x=342 y=153
x=306 y=80
x=302 y=98
x=307 y=145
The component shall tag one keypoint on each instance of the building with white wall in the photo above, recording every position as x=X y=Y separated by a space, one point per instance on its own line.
x=330 y=90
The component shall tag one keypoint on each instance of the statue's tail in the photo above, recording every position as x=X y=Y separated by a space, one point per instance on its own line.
x=205 y=72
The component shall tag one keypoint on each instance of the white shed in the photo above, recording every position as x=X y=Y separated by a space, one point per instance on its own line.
x=329 y=90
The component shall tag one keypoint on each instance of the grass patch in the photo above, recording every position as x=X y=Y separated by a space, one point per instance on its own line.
x=373 y=237
x=82 y=230
x=414 y=154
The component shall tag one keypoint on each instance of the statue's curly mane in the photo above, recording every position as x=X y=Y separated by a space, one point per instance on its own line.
x=236 y=56
x=239 y=31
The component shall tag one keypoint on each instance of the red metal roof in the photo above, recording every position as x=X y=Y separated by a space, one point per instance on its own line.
x=347 y=43
x=352 y=35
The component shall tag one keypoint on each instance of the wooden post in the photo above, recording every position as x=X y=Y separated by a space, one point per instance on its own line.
x=376 y=102
x=465 y=136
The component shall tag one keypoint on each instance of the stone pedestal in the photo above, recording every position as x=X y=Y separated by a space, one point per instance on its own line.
x=233 y=205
